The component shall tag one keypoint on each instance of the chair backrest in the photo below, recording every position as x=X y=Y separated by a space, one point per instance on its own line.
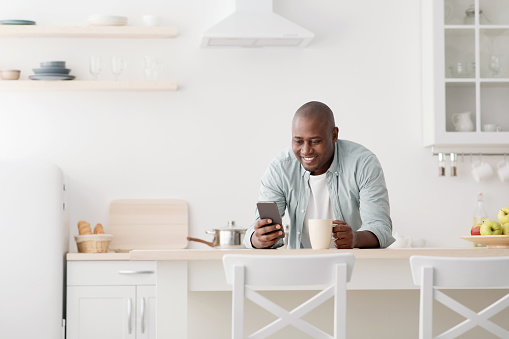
x=328 y=272
x=287 y=270
x=450 y=272
x=432 y=274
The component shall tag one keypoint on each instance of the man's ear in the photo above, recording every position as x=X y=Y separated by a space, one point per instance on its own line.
x=335 y=133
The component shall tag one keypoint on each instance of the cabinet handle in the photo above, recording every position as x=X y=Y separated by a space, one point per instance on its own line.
x=142 y=315
x=129 y=317
x=135 y=272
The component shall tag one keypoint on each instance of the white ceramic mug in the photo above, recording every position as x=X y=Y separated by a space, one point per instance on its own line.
x=320 y=233
x=492 y=128
x=481 y=170
x=503 y=170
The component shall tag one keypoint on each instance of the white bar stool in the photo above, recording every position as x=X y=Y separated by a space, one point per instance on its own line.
x=326 y=272
x=433 y=273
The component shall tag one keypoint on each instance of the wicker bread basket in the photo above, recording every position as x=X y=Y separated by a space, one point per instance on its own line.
x=93 y=243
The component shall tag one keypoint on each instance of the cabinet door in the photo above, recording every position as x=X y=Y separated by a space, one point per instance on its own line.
x=465 y=74
x=101 y=312
x=146 y=312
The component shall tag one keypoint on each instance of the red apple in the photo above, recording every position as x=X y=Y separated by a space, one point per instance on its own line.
x=475 y=230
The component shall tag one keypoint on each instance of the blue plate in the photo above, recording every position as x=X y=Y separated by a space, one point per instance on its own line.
x=51 y=77
x=51 y=70
x=17 y=22
x=53 y=64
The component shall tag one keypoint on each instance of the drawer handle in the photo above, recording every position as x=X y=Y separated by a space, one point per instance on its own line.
x=129 y=316
x=142 y=315
x=135 y=272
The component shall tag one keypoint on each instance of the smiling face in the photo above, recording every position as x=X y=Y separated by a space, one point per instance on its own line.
x=313 y=140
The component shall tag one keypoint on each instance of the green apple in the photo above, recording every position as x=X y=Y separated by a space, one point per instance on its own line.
x=503 y=215
x=505 y=229
x=491 y=228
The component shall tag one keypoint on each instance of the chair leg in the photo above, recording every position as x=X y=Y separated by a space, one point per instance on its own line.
x=340 y=302
x=426 y=304
x=238 y=303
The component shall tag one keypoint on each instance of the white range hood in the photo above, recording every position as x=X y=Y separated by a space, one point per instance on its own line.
x=254 y=24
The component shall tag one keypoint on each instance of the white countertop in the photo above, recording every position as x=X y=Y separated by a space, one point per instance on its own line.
x=217 y=254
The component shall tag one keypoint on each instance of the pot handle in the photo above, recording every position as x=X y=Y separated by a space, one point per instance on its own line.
x=211 y=232
x=211 y=244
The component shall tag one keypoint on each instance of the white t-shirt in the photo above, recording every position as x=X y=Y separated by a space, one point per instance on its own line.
x=319 y=205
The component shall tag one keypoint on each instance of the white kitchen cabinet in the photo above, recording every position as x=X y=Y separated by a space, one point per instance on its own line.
x=111 y=299
x=460 y=74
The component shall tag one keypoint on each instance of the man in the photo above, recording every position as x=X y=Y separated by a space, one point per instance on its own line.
x=322 y=177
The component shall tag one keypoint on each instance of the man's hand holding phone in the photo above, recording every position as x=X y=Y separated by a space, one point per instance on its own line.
x=265 y=235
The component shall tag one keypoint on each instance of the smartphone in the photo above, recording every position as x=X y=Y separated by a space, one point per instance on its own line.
x=269 y=210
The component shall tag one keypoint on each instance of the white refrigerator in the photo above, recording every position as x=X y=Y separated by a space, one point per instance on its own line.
x=34 y=238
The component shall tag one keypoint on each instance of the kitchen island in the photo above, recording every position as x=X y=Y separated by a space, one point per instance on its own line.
x=182 y=271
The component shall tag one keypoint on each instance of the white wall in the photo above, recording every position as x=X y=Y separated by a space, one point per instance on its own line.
x=210 y=142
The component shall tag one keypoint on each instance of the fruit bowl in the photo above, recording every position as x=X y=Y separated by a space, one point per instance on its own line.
x=492 y=241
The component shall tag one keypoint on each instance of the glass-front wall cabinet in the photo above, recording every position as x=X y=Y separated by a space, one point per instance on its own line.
x=466 y=72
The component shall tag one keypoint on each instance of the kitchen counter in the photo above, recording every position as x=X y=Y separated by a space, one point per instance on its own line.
x=201 y=270
x=217 y=254
x=398 y=253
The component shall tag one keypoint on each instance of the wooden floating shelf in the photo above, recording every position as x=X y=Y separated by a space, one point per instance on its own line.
x=35 y=31
x=87 y=85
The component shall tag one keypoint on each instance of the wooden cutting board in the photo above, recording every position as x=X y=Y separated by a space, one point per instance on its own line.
x=148 y=224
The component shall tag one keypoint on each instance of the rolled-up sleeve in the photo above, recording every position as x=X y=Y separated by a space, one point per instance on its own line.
x=270 y=190
x=374 y=201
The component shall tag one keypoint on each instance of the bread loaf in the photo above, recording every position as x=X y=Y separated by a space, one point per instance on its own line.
x=84 y=227
x=98 y=229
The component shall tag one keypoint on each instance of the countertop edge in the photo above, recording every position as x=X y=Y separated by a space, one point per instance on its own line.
x=217 y=254
x=406 y=253
x=75 y=256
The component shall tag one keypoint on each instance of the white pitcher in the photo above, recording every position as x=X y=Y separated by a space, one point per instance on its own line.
x=462 y=122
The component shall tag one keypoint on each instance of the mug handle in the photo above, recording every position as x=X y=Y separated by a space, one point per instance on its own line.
x=454 y=118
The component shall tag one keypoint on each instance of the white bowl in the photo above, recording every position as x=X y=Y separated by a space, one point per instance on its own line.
x=151 y=20
x=10 y=74
x=107 y=20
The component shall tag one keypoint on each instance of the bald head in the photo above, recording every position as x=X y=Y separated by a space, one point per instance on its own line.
x=314 y=135
x=318 y=112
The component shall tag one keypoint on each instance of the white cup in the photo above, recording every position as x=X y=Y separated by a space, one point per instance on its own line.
x=151 y=20
x=320 y=233
x=492 y=128
x=481 y=170
x=503 y=170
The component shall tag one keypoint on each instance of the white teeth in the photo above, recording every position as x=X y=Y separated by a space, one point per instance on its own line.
x=308 y=159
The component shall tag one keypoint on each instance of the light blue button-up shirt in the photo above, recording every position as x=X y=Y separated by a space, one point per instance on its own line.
x=356 y=185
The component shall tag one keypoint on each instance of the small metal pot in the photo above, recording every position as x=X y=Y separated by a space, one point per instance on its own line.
x=228 y=237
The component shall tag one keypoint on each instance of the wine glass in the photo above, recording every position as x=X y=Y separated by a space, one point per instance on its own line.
x=151 y=68
x=494 y=66
x=117 y=66
x=95 y=66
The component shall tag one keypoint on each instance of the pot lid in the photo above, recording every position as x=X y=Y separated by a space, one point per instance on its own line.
x=230 y=227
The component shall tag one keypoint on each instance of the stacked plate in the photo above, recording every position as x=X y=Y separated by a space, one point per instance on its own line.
x=107 y=20
x=17 y=22
x=52 y=70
